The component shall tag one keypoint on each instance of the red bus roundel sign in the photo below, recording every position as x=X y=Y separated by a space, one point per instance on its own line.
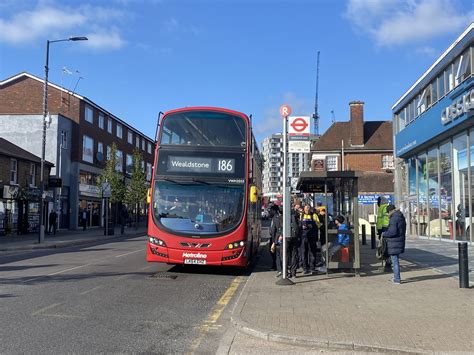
x=298 y=125
x=285 y=110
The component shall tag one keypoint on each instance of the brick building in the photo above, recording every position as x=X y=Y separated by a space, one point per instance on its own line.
x=19 y=188
x=361 y=146
x=79 y=136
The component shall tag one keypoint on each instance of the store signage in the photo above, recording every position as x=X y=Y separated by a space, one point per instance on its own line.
x=371 y=199
x=200 y=165
x=460 y=106
x=55 y=182
x=89 y=190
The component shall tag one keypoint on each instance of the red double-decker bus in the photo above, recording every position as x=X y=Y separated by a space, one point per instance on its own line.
x=206 y=189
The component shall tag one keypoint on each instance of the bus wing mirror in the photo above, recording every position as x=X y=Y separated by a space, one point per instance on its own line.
x=253 y=194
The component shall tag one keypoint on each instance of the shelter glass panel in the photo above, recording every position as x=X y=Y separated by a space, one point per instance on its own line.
x=422 y=214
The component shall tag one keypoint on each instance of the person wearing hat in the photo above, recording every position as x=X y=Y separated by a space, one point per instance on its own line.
x=395 y=236
x=342 y=238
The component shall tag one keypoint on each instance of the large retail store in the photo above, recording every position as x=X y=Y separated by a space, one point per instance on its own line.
x=434 y=141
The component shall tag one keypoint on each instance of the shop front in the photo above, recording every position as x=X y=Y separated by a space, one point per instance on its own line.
x=434 y=144
x=90 y=202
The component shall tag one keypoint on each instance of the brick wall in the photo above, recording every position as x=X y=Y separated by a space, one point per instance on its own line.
x=23 y=171
x=25 y=96
x=364 y=161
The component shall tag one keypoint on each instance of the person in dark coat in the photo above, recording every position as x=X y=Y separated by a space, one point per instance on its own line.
x=395 y=236
x=276 y=228
x=53 y=217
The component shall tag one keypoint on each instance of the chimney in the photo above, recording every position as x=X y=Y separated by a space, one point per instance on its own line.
x=357 y=123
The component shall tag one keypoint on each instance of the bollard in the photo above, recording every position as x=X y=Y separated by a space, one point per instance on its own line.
x=463 y=265
x=364 y=239
x=372 y=237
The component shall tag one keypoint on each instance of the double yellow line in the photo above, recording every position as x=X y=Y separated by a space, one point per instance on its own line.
x=215 y=314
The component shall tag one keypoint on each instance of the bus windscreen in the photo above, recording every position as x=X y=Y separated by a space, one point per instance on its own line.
x=203 y=128
x=198 y=208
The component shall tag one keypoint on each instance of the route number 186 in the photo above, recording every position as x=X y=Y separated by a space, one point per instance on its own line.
x=225 y=165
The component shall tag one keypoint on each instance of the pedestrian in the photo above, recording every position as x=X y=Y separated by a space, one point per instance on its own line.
x=276 y=228
x=294 y=243
x=395 y=236
x=342 y=238
x=382 y=225
x=53 y=216
x=123 y=218
x=309 y=223
x=84 y=219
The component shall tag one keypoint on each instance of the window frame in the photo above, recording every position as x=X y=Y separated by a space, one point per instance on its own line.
x=32 y=180
x=119 y=130
x=13 y=171
x=101 y=120
x=109 y=126
x=89 y=118
x=84 y=147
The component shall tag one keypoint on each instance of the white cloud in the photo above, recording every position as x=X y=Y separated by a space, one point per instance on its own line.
x=398 y=22
x=172 y=25
x=104 y=39
x=52 y=22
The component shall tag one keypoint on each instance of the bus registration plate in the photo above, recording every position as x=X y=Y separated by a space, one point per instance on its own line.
x=195 y=261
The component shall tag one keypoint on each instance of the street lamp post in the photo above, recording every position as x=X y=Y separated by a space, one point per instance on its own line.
x=45 y=114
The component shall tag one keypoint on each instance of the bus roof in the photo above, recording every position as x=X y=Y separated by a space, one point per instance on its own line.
x=209 y=108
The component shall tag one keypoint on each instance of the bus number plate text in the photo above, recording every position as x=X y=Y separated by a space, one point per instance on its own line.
x=195 y=261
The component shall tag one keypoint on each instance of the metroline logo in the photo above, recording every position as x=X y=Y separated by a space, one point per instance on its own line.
x=194 y=255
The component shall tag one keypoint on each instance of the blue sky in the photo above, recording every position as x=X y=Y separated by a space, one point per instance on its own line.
x=147 y=56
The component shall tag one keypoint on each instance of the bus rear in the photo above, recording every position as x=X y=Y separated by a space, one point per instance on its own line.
x=200 y=188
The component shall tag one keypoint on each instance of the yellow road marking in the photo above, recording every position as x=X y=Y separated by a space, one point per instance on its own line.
x=216 y=312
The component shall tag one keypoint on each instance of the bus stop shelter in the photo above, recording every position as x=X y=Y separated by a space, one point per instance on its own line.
x=337 y=191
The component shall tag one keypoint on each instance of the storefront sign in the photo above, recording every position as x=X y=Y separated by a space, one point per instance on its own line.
x=462 y=105
x=372 y=199
x=89 y=190
x=10 y=192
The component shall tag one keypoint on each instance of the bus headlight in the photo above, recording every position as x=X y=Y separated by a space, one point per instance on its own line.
x=156 y=241
x=234 y=245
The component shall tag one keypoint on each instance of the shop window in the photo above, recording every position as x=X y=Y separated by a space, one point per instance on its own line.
x=87 y=149
x=461 y=185
x=445 y=190
x=89 y=114
x=422 y=212
x=13 y=171
x=433 y=194
x=470 y=214
x=412 y=176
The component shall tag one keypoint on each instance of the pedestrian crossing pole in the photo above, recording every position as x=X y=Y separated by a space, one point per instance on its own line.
x=285 y=111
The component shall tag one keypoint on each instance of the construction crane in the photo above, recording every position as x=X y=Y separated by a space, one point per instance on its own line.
x=316 y=114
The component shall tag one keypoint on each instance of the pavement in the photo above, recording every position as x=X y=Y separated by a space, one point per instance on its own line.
x=64 y=238
x=427 y=313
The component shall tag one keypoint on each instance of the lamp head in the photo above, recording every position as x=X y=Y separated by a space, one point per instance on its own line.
x=78 y=38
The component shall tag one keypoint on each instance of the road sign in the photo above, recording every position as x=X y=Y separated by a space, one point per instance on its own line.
x=106 y=190
x=285 y=110
x=299 y=146
x=298 y=125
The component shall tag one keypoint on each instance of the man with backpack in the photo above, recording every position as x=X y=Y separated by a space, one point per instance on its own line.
x=395 y=236
x=276 y=230
x=382 y=225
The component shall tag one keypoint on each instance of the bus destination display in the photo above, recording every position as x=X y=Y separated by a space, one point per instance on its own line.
x=200 y=165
